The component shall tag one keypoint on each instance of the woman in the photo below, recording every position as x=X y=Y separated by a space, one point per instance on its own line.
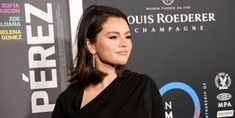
x=100 y=87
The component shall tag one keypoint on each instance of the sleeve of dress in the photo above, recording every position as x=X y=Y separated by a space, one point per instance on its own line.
x=58 y=111
x=155 y=103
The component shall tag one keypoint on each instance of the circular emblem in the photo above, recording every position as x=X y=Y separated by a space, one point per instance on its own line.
x=182 y=86
x=223 y=81
x=224 y=97
x=168 y=2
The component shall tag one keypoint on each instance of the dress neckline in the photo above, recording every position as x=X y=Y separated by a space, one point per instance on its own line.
x=98 y=97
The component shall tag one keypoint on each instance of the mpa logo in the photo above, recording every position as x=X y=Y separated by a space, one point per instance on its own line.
x=168 y=2
x=224 y=104
x=224 y=97
x=222 y=81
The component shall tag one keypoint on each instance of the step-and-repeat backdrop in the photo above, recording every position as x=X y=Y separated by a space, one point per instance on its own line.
x=34 y=56
x=187 y=47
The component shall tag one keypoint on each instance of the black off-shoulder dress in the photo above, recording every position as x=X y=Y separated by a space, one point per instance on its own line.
x=131 y=96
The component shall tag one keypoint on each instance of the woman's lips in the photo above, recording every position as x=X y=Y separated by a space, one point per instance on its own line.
x=123 y=53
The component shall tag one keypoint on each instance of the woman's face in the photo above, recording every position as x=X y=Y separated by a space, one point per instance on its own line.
x=113 y=44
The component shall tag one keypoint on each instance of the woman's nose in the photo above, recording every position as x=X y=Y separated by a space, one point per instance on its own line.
x=123 y=42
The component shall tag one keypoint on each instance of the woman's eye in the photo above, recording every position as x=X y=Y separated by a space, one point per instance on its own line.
x=112 y=37
x=128 y=37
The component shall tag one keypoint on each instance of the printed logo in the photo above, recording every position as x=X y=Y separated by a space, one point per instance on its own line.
x=222 y=81
x=225 y=113
x=183 y=18
x=40 y=69
x=224 y=97
x=186 y=88
x=168 y=2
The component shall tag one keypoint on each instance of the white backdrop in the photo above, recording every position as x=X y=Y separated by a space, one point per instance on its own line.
x=76 y=9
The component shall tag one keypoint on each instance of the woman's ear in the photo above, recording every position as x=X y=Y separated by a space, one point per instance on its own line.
x=91 y=46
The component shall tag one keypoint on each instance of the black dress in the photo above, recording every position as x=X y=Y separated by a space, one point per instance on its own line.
x=130 y=96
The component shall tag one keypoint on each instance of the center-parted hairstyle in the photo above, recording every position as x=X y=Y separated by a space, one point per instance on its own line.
x=89 y=26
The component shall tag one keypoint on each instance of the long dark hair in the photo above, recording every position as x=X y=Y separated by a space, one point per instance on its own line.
x=89 y=26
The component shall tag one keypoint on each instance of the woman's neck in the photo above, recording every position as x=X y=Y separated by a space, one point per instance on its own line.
x=107 y=72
